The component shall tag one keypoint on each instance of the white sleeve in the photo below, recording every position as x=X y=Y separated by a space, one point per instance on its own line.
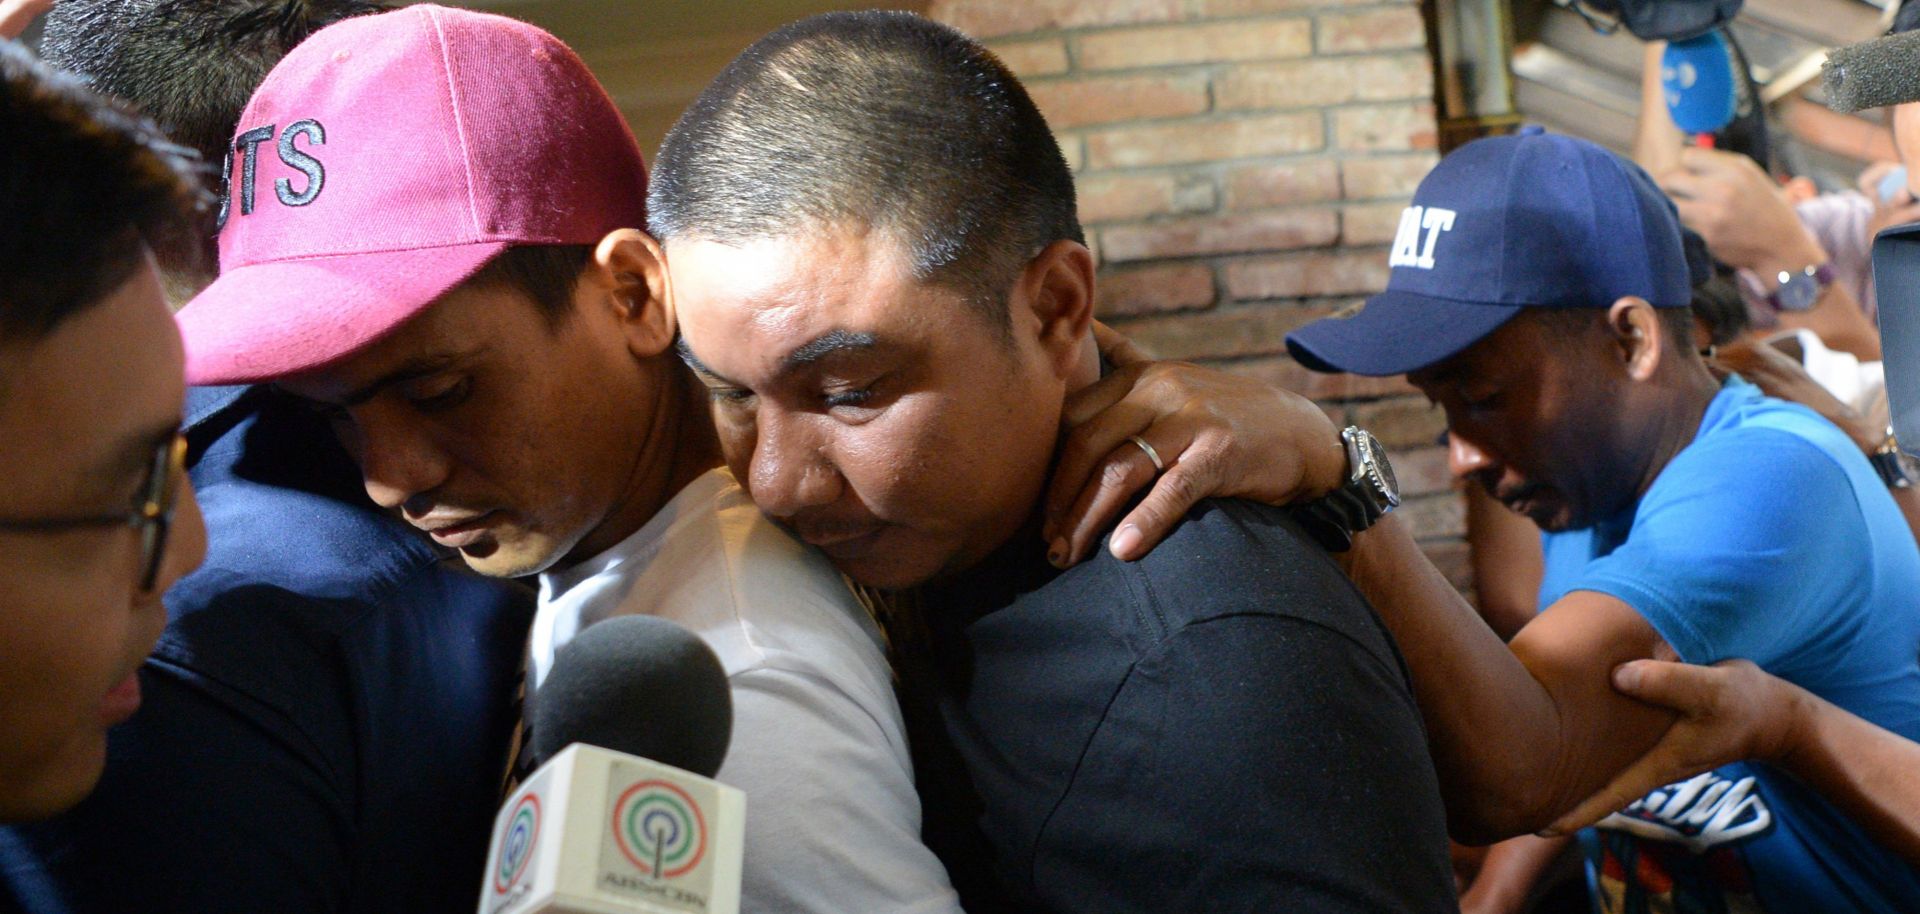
x=833 y=822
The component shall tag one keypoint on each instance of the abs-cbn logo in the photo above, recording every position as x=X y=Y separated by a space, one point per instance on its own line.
x=516 y=850
x=287 y=144
x=659 y=850
x=660 y=829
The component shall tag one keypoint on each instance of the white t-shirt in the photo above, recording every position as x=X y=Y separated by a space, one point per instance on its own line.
x=1861 y=385
x=833 y=823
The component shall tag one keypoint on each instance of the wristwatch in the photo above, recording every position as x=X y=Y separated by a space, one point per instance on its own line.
x=1895 y=468
x=1800 y=289
x=1369 y=493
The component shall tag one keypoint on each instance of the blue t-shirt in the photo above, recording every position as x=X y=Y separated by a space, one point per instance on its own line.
x=1768 y=537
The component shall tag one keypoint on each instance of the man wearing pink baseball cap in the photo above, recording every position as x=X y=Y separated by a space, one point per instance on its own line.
x=431 y=234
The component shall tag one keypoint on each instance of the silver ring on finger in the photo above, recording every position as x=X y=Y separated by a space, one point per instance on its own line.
x=1153 y=455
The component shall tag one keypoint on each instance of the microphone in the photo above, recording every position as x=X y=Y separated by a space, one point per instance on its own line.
x=1873 y=74
x=1698 y=79
x=623 y=815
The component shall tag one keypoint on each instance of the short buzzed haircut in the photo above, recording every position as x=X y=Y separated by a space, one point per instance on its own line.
x=190 y=65
x=87 y=187
x=882 y=120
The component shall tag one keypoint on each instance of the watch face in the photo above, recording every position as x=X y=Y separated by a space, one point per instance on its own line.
x=1381 y=470
x=1798 y=293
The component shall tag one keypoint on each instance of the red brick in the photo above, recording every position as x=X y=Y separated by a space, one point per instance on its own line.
x=1176 y=144
x=1221 y=334
x=1283 y=184
x=1380 y=128
x=1073 y=150
x=1434 y=516
x=1111 y=198
x=1370 y=223
x=1223 y=8
x=1027 y=59
x=993 y=18
x=1385 y=176
x=1154 y=289
x=1373 y=30
x=1324 y=81
x=1315 y=385
x=1422 y=470
x=1239 y=233
x=1304 y=275
x=1079 y=102
x=1159 y=46
x=1402 y=422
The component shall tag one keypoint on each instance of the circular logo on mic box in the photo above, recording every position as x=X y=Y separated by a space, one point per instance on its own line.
x=659 y=829
x=516 y=849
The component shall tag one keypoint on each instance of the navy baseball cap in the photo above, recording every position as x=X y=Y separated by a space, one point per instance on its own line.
x=1527 y=220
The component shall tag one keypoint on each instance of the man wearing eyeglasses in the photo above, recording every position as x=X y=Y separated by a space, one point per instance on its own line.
x=327 y=711
x=96 y=518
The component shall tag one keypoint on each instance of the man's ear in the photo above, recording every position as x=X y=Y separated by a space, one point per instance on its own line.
x=630 y=270
x=1057 y=288
x=1639 y=335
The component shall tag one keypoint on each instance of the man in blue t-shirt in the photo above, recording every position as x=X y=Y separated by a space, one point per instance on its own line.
x=1538 y=294
x=1762 y=540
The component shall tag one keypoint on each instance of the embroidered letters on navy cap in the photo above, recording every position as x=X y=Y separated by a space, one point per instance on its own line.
x=1408 y=249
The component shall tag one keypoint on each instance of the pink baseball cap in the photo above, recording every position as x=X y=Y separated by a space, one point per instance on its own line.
x=384 y=161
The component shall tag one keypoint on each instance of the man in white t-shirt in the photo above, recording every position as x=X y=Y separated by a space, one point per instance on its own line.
x=430 y=234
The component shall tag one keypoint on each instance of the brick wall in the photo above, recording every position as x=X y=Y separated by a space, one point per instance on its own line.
x=1242 y=165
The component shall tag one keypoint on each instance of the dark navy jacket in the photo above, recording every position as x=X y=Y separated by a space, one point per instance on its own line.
x=326 y=717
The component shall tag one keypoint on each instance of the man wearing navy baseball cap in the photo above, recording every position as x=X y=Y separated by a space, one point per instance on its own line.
x=1539 y=295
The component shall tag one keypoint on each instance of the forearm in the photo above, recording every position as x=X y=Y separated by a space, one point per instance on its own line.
x=1520 y=732
x=1656 y=141
x=1510 y=873
x=1836 y=318
x=1507 y=565
x=1495 y=731
x=1871 y=774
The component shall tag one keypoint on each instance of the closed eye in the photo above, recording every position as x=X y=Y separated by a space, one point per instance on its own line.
x=443 y=399
x=848 y=398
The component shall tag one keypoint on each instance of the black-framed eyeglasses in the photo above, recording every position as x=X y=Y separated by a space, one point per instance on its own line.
x=151 y=513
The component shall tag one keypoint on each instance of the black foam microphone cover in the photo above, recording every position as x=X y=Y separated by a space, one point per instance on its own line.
x=1873 y=74
x=640 y=685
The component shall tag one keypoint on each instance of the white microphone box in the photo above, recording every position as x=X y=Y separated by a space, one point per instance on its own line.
x=601 y=832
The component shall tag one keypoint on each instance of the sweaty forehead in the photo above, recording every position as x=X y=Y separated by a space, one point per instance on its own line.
x=754 y=305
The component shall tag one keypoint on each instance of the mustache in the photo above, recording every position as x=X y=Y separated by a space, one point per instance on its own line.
x=1514 y=493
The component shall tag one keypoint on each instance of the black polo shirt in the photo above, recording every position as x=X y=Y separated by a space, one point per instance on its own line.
x=1222 y=726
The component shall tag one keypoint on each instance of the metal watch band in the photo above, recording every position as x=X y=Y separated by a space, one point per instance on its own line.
x=1368 y=494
